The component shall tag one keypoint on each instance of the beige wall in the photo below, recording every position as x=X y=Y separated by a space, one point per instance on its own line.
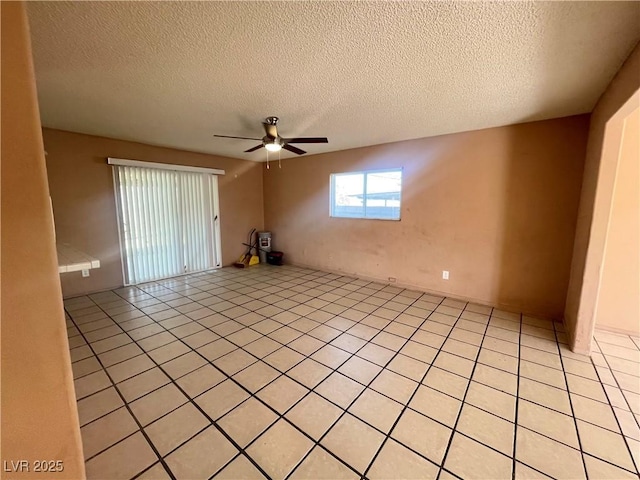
x=82 y=191
x=595 y=204
x=39 y=415
x=618 y=306
x=496 y=207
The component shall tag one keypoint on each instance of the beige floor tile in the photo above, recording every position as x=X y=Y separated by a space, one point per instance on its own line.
x=98 y=404
x=240 y=468
x=200 y=380
x=376 y=354
x=499 y=345
x=104 y=432
x=388 y=340
x=605 y=445
x=634 y=447
x=498 y=379
x=547 y=359
x=314 y=415
x=410 y=430
x=586 y=388
x=348 y=342
x=340 y=389
x=557 y=426
x=548 y=456
x=491 y=400
x=157 y=403
x=523 y=472
x=306 y=345
x=309 y=372
x=470 y=459
x=201 y=456
x=282 y=394
x=376 y=409
x=221 y=398
x=454 y=364
x=487 y=428
x=360 y=370
x=235 y=361
x=279 y=449
x=436 y=405
x=446 y=382
x=596 y=468
x=397 y=461
x=594 y=412
x=283 y=359
x=320 y=465
x=120 y=354
x=550 y=397
x=199 y=339
x=262 y=347
x=579 y=368
x=330 y=356
x=256 y=376
x=124 y=460
x=168 y=352
x=92 y=383
x=247 y=421
x=173 y=429
x=129 y=368
x=628 y=423
x=408 y=367
x=497 y=360
x=156 y=472
x=142 y=384
x=542 y=374
x=214 y=350
x=394 y=386
x=353 y=441
x=85 y=367
x=184 y=364
x=418 y=351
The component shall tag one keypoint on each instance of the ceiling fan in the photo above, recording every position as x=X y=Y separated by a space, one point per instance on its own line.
x=274 y=142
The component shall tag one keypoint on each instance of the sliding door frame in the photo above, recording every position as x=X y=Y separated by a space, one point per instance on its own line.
x=214 y=206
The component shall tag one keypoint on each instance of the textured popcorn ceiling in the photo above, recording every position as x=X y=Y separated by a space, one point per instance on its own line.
x=360 y=73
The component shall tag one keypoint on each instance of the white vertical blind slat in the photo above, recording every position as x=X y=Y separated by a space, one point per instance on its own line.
x=166 y=220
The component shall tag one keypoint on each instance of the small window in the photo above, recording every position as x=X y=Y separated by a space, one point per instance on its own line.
x=370 y=194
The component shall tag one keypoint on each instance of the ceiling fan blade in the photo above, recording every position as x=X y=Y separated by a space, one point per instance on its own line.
x=308 y=140
x=243 y=138
x=271 y=130
x=293 y=149
x=253 y=149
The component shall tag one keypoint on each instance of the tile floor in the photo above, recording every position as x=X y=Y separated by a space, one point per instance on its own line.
x=285 y=372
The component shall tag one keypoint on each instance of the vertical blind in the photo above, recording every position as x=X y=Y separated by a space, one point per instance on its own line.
x=167 y=222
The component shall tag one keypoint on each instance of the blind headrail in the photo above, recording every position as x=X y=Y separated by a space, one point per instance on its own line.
x=163 y=166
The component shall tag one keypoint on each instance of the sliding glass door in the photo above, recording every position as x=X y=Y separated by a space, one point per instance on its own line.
x=168 y=222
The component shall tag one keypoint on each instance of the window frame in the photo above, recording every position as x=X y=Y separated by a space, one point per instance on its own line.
x=364 y=173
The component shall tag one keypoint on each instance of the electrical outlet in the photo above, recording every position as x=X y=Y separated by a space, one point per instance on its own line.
x=85 y=272
x=392 y=279
x=445 y=274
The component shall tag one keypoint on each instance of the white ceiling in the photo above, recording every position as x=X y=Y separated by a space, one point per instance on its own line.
x=360 y=73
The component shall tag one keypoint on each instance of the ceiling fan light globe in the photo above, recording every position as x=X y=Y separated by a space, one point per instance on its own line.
x=273 y=147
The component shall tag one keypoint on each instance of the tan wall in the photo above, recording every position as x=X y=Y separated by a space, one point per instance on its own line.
x=39 y=415
x=495 y=207
x=82 y=191
x=618 y=306
x=595 y=203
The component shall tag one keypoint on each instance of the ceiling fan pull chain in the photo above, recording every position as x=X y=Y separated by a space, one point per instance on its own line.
x=267 y=159
x=279 y=162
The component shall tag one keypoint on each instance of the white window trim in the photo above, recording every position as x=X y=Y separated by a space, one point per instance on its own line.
x=163 y=166
x=364 y=173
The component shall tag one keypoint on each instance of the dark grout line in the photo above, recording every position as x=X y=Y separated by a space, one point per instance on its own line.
x=573 y=414
x=515 y=419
